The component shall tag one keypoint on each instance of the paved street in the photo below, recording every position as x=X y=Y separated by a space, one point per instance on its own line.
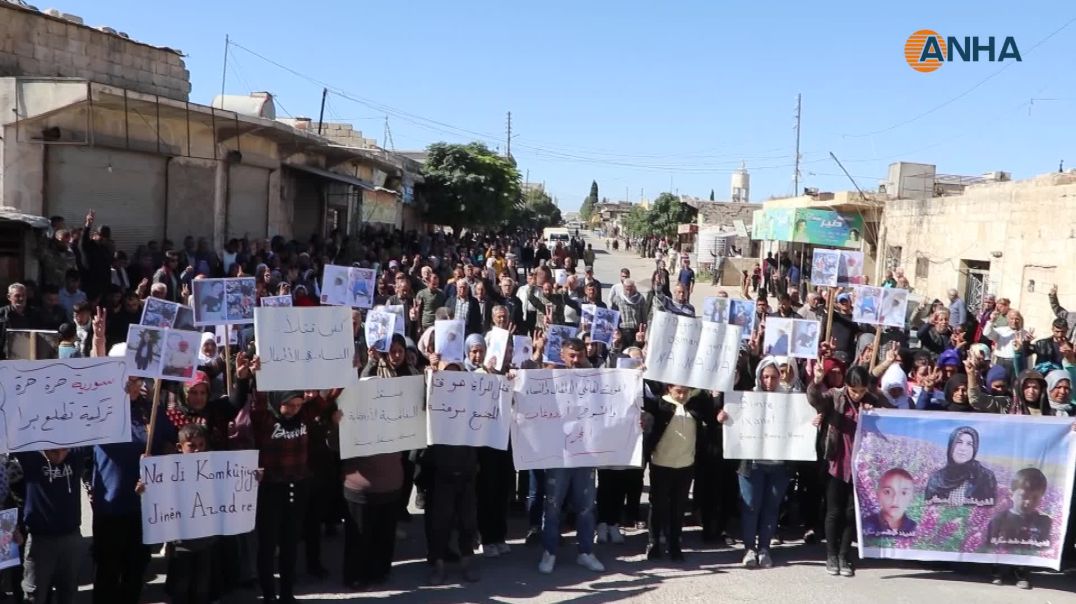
x=708 y=574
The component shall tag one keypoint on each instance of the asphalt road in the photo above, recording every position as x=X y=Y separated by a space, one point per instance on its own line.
x=708 y=574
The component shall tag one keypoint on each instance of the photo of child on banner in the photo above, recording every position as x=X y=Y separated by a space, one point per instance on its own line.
x=715 y=310
x=963 y=487
x=448 y=340
x=555 y=335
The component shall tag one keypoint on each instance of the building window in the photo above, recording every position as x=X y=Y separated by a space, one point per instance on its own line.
x=922 y=268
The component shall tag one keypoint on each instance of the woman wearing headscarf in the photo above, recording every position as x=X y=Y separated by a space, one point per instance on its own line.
x=996 y=395
x=211 y=363
x=1059 y=394
x=763 y=483
x=962 y=480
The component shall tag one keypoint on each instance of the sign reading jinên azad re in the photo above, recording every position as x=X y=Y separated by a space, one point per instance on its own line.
x=469 y=409
x=692 y=352
x=963 y=487
x=769 y=426
x=189 y=496
x=577 y=418
x=63 y=403
x=382 y=415
x=304 y=347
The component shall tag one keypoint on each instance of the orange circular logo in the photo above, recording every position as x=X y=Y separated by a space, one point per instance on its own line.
x=913 y=50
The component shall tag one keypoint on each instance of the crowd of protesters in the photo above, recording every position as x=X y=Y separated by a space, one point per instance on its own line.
x=90 y=293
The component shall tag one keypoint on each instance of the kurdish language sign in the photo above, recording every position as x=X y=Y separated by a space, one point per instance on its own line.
x=63 y=403
x=768 y=425
x=195 y=495
x=968 y=487
x=692 y=352
x=304 y=348
x=382 y=415
x=469 y=409
x=577 y=418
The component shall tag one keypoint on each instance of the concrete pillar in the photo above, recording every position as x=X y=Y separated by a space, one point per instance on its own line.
x=220 y=202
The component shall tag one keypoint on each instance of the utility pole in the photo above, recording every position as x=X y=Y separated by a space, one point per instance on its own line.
x=796 y=177
x=509 y=146
x=224 y=70
x=321 y=114
x=387 y=142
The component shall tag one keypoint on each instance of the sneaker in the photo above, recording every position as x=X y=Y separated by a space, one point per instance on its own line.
x=750 y=559
x=847 y=570
x=590 y=562
x=833 y=566
x=490 y=550
x=615 y=536
x=601 y=533
x=810 y=537
x=548 y=562
x=1023 y=580
x=775 y=541
x=764 y=559
x=730 y=541
x=503 y=548
x=997 y=577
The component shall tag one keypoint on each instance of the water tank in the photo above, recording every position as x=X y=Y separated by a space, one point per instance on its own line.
x=257 y=104
x=741 y=185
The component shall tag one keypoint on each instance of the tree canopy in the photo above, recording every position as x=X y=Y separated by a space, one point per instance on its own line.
x=590 y=203
x=664 y=215
x=469 y=185
x=537 y=211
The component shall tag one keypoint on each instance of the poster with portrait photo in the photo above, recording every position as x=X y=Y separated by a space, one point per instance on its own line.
x=496 y=348
x=805 y=334
x=185 y=319
x=397 y=311
x=586 y=313
x=894 y=306
x=378 y=325
x=448 y=340
x=522 y=349
x=9 y=549
x=554 y=336
x=715 y=309
x=560 y=276
x=159 y=313
x=963 y=487
x=850 y=268
x=179 y=357
x=144 y=346
x=348 y=286
x=241 y=296
x=742 y=313
x=867 y=305
x=605 y=323
x=276 y=301
x=219 y=335
x=777 y=339
x=824 y=267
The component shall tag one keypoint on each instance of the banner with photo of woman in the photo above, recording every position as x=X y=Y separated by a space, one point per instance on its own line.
x=965 y=487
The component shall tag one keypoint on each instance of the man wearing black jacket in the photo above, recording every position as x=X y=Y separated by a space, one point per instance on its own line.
x=464 y=306
x=95 y=260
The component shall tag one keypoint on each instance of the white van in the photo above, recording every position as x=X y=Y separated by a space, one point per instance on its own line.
x=553 y=235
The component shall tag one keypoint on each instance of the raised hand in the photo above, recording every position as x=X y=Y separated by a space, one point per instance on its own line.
x=416 y=310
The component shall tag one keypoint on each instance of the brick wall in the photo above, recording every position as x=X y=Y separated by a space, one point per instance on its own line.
x=34 y=44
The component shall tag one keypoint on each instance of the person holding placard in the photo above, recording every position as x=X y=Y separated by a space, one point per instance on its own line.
x=839 y=410
x=670 y=445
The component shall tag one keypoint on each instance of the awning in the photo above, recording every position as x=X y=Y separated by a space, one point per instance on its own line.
x=344 y=178
x=38 y=222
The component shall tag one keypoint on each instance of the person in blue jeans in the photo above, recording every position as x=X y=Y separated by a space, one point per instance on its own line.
x=559 y=482
x=535 y=504
x=763 y=483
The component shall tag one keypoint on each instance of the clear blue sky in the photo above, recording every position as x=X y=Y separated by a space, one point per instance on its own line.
x=645 y=96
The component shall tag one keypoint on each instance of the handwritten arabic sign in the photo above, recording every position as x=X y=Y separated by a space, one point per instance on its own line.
x=63 y=403
x=692 y=352
x=577 y=418
x=382 y=415
x=968 y=487
x=199 y=495
x=768 y=425
x=304 y=348
x=470 y=409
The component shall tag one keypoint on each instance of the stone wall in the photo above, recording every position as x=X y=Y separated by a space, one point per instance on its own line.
x=1024 y=231
x=724 y=214
x=35 y=44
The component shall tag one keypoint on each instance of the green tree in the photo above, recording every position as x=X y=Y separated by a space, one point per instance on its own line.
x=590 y=203
x=537 y=211
x=711 y=194
x=469 y=185
x=667 y=212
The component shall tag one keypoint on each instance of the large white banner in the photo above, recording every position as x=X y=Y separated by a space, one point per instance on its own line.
x=304 y=348
x=769 y=425
x=577 y=418
x=63 y=403
x=692 y=352
x=471 y=409
x=382 y=415
x=199 y=495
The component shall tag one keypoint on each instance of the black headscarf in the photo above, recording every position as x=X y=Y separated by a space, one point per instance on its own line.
x=279 y=397
x=955 y=382
x=982 y=485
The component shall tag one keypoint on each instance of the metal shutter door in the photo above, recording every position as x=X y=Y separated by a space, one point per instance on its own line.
x=248 y=201
x=127 y=190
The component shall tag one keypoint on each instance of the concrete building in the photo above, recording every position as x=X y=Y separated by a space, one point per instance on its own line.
x=1015 y=239
x=723 y=216
x=612 y=213
x=114 y=131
